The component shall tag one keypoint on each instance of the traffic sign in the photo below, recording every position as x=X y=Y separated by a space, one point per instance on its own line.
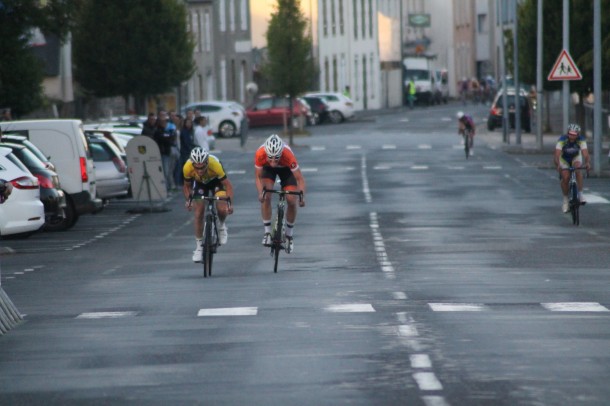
x=564 y=68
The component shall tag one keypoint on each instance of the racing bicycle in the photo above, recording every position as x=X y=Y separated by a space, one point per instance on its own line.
x=467 y=134
x=574 y=201
x=210 y=241
x=278 y=236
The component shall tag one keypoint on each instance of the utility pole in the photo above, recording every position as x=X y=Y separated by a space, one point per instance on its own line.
x=597 y=88
x=566 y=46
x=539 y=78
x=516 y=76
x=503 y=75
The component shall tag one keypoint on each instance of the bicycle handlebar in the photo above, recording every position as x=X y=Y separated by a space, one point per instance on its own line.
x=571 y=168
x=284 y=192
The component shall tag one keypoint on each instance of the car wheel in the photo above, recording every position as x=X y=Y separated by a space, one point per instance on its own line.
x=67 y=222
x=227 y=129
x=335 y=117
x=315 y=119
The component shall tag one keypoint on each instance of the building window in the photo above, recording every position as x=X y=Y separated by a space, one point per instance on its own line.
x=243 y=14
x=208 y=31
x=232 y=15
x=333 y=20
x=222 y=15
x=355 y=14
x=482 y=23
x=341 y=22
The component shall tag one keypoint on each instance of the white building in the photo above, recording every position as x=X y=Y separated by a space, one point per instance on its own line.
x=348 y=50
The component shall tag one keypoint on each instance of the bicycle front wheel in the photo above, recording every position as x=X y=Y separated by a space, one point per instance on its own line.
x=277 y=237
x=467 y=145
x=208 y=249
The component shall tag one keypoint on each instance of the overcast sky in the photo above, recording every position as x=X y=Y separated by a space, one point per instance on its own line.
x=260 y=11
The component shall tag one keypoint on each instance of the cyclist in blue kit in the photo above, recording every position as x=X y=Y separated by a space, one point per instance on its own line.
x=570 y=150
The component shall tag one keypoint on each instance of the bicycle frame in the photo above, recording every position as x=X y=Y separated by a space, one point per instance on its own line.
x=574 y=201
x=210 y=231
x=278 y=236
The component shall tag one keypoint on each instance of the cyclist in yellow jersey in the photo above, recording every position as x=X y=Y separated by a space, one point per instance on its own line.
x=204 y=173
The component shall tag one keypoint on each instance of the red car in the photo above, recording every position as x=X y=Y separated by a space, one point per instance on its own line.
x=270 y=110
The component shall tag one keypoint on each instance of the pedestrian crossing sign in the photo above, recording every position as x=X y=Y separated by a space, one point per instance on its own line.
x=564 y=68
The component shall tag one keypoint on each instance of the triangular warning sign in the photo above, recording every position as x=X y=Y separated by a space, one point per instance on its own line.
x=564 y=68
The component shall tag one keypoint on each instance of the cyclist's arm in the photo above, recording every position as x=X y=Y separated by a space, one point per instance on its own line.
x=301 y=185
x=228 y=187
x=258 y=176
x=556 y=158
x=187 y=190
x=587 y=158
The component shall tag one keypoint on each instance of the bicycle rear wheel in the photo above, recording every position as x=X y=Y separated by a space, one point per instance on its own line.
x=208 y=249
x=466 y=144
x=277 y=237
x=574 y=205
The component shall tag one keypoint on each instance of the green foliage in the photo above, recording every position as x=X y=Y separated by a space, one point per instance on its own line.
x=581 y=41
x=289 y=68
x=138 y=47
x=21 y=73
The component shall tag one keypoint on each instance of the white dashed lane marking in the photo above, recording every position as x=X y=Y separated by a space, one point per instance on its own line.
x=228 y=311
x=105 y=315
x=574 y=307
x=351 y=308
x=456 y=307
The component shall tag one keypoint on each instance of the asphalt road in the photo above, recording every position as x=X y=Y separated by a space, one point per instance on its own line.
x=418 y=277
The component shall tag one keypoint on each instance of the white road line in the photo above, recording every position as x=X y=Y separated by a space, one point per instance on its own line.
x=381 y=168
x=399 y=295
x=105 y=315
x=309 y=169
x=424 y=146
x=435 y=401
x=456 y=307
x=419 y=167
x=318 y=148
x=351 y=308
x=574 y=307
x=236 y=172
x=353 y=147
x=420 y=361
x=388 y=146
x=407 y=330
x=593 y=199
x=427 y=381
x=492 y=168
x=228 y=311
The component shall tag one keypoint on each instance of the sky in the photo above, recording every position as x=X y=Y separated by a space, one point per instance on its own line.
x=260 y=13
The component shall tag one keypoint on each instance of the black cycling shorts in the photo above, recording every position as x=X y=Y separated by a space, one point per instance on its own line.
x=287 y=178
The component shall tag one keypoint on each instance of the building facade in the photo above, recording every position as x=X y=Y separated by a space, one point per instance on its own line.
x=223 y=50
x=348 y=51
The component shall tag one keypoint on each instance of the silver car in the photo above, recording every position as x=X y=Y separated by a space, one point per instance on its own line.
x=110 y=169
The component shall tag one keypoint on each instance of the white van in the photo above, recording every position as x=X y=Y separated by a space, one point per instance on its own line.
x=64 y=142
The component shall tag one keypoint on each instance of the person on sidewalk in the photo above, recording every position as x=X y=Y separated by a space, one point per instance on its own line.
x=570 y=150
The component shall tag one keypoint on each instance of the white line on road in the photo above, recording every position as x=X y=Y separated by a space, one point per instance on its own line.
x=427 y=381
x=419 y=167
x=574 y=307
x=309 y=169
x=388 y=146
x=105 y=315
x=236 y=172
x=351 y=308
x=353 y=147
x=420 y=361
x=228 y=311
x=424 y=146
x=456 y=307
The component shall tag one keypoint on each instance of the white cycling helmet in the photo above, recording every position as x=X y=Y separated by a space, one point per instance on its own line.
x=199 y=155
x=274 y=146
x=460 y=114
x=573 y=129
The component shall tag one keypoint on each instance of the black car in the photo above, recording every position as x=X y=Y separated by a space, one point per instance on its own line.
x=51 y=195
x=494 y=120
x=319 y=109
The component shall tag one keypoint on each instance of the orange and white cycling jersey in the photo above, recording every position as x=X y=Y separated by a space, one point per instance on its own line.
x=287 y=159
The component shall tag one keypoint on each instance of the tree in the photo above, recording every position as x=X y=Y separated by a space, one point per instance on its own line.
x=581 y=41
x=137 y=48
x=21 y=72
x=289 y=66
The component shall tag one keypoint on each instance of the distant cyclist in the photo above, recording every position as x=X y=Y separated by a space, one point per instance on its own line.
x=272 y=159
x=209 y=175
x=465 y=122
x=570 y=150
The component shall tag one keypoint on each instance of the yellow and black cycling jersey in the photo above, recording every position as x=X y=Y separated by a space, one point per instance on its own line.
x=215 y=171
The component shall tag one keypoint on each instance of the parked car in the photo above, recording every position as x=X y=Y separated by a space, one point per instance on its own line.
x=67 y=147
x=225 y=118
x=341 y=106
x=272 y=110
x=494 y=120
x=20 y=139
x=133 y=128
x=22 y=213
x=111 y=136
x=319 y=109
x=51 y=195
x=110 y=169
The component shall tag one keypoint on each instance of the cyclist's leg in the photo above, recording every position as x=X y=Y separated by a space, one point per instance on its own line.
x=268 y=179
x=565 y=176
